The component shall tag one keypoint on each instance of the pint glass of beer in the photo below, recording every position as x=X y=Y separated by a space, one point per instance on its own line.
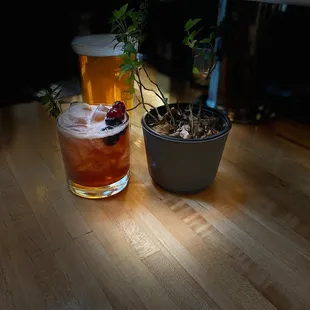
x=95 y=155
x=100 y=71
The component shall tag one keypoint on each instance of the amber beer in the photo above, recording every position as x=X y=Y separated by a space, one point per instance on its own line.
x=100 y=70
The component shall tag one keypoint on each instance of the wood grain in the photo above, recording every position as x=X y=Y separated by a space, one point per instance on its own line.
x=243 y=243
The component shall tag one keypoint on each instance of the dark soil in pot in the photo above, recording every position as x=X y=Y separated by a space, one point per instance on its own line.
x=188 y=165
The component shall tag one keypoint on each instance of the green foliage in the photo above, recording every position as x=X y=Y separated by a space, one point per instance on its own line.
x=195 y=70
x=128 y=25
x=208 y=40
x=206 y=44
x=191 y=23
x=50 y=99
x=191 y=37
x=120 y=14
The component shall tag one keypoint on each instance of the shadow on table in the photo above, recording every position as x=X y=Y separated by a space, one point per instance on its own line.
x=7 y=127
x=225 y=193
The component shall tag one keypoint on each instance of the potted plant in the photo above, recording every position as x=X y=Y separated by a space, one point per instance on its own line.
x=184 y=142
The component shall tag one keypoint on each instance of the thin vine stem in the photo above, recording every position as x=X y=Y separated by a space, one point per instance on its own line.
x=139 y=103
x=161 y=93
x=146 y=110
x=142 y=96
x=149 y=89
x=161 y=96
x=147 y=104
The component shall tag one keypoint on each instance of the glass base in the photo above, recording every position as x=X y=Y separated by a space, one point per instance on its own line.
x=99 y=192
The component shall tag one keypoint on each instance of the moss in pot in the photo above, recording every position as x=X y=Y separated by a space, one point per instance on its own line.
x=184 y=142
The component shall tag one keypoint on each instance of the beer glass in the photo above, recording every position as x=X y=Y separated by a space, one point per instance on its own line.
x=99 y=68
x=95 y=155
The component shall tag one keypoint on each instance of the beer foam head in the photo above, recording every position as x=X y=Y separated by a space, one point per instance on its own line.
x=79 y=122
x=98 y=45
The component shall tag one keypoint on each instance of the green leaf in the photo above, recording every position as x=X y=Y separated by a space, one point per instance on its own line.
x=205 y=41
x=195 y=70
x=127 y=60
x=116 y=14
x=196 y=21
x=123 y=73
x=193 y=34
x=185 y=41
x=122 y=10
x=138 y=63
x=129 y=48
x=131 y=28
x=191 y=23
x=129 y=12
x=129 y=79
x=126 y=67
x=192 y=44
x=188 y=24
x=134 y=15
x=208 y=40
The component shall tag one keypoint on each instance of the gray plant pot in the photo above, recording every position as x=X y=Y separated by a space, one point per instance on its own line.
x=184 y=166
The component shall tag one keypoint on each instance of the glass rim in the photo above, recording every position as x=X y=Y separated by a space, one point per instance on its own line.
x=63 y=129
x=98 y=45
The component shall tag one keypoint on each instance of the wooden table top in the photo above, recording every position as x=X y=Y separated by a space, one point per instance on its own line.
x=241 y=244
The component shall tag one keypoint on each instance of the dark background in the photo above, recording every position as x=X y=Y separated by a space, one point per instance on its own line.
x=266 y=60
x=36 y=50
x=37 y=40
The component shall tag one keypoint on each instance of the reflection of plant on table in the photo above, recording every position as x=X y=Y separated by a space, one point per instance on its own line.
x=186 y=122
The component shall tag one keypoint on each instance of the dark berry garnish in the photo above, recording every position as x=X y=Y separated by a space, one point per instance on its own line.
x=120 y=106
x=115 y=116
x=111 y=140
x=113 y=121
x=114 y=113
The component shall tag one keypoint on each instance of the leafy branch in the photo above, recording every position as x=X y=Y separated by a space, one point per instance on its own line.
x=205 y=45
x=50 y=99
x=128 y=25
